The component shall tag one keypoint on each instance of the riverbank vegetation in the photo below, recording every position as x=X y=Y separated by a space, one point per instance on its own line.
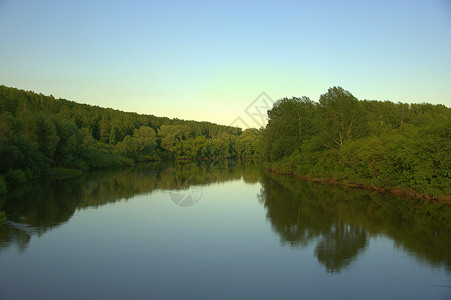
x=377 y=144
x=39 y=133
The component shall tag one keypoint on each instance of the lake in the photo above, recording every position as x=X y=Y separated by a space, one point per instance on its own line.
x=219 y=230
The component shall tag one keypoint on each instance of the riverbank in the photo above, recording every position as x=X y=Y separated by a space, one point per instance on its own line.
x=60 y=173
x=396 y=191
x=63 y=173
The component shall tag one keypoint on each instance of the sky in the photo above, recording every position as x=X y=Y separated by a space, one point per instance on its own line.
x=211 y=60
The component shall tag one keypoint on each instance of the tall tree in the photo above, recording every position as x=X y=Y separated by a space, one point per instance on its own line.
x=342 y=117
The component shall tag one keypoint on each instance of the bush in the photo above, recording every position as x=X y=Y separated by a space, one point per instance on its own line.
x=16 y=176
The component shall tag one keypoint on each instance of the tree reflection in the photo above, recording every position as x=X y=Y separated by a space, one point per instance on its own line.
x=45 y=204
x=337 y=221
x=301 y=219
x=337 y=248
x=340 y=221
x=9 y=235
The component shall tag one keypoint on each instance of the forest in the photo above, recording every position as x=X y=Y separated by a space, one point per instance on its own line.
x=377 y=144
x=39 y=133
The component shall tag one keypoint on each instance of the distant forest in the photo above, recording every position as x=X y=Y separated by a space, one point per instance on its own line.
x=373 y=143
x=39 y=132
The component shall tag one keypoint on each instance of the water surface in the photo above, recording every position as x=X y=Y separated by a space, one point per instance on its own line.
x=220 y=229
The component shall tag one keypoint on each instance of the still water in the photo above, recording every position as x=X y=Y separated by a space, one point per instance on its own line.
x=219 y=230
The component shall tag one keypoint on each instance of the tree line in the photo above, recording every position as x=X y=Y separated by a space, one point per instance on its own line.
x=38 y=132
x=374 y=143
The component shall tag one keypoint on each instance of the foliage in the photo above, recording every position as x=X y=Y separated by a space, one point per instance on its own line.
x=383 y=144
x=2 y=218
x=3 y=188
x=374 y=143
x=38 y=132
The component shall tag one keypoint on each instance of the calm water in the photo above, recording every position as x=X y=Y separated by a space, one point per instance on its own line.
x=219 y=230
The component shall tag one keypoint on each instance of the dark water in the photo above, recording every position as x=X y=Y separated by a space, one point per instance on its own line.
x=221 y=229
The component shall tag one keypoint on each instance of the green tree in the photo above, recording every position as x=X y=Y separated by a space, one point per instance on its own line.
x=47 y=135
x=172 y=136
x=342 y=117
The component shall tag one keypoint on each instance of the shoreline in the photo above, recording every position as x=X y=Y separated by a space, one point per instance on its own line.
x=395 y=191
x=62 y=173
x=71 y=173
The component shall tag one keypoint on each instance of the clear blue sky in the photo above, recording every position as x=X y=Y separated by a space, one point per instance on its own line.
x=206 y=60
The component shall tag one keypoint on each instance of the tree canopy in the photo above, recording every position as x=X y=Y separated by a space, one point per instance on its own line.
x=39 y=132
x=375 y=143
